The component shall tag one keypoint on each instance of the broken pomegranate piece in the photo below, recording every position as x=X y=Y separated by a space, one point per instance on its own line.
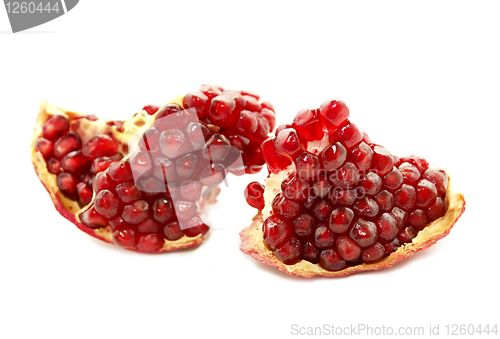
x=335 y=203
x=142 y=183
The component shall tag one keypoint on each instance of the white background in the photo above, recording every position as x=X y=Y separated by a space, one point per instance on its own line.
x=421 y=77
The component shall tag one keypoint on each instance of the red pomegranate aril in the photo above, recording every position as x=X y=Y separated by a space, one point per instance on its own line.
x=55 y=127
x=106 y=204
x=263 y=129
x=417 y=219
x=371 y=184
x=438 y=177
x=416 y=161
x=285 y=207
x=340 y=219
x=140 y=164
x=251 y=103
x=333 y=156
x=436 y=210
x=254 y=195
x=212 y=175
x=92 y=219
x=84 y=193
x=346 y=176
x=405 y=197
x=385 y=200
x=128 y=192
x=149 y=141
x=211 y=91
x=185 y=165
x=400 y=216
x=267 y=105
x=393 y=180
x=426 y=193
x=361 y=156
x=410 y=173
x=148 y=226
x=54 y=166
x=195 y=226
x=406 y=235
x=332 y=114
x=288 y=143
x=366 y=207
x=303 y=224
x=102 y=181
x=87 y=178
x=309 y=201
x=150 y=242
x=68 y=143
x=44 y=146
x=344 y=197
x=347 y=248
x=217 y=148
x=392 y=246
x=382 y=161
x=173 y=231
x=320 y=186
x=276 y=230
x=136 y=212
x=185 y=209
x=173 y=143
x=102 y=163
x=124 y=237
x=67 y=185
x=117 y=223
x=310 y=252
x=290 y=252
x=307 y=124
x=307 y=165
x=120 y=171
x=275 y=161
x=75 y=163
x=247 y=123
x=100 y=145
x=164 y=169
x=151 y=109
x=322 y=210
x=198 y=101
x=349 y=135
x=373 y=252
x=191 y=190
x=222 y=110
x=170 y=116
x=364 y=233
x=163 y=210
x=280 y=128
x=253 y=160
x=270 y=116
x=387 y=226
x=330 y=260
x=323 y=237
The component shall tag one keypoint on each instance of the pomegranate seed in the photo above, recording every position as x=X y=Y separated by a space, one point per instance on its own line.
x=373 y=252
x=150 y=242
x=125 y=237
x=117 y=223
x=285 y=207
x=67 y=185
x=287 y=143
x=68 y=143
x=45 y=147
x=307 y=165
x=405 y=197
x=196 y=133
x=320 y=186
x=54 y=166
x=417 y=219
x=211 y=91
x=303 y=225
x=222 y=110
x=106 y=204
x=382 y=160
x=307 y=124
x=323 y=237
x=55 y=127
x=75 y=162
x=346 y=176
x=349 y=135
x=84 y=193
x=238 y=141
x=393 y=180
x=438 y=177
x=436 y=210
x=191 y=190
x=149 y=142
x=366 y=207
x=100 y=145
x=173 y=231
x=295 y=188
x=217 y=148
x=102 y=181
x=128 y=192
x=92 y=219
x=310 y=252
x=185 y=209
x=141 y=164
x=267 y=105
x=340 y=219
x=387 y=226
x=416 y=161
x=170 y=116
x=136 y=212
x=102 y=163
x=163 y=210
x=322 y=210
x=371 y=184
x=290 y=252
x=198 y=101
x=87 y=178
x=196 y=226
x=385 y=200
x=361 y=156
x=400 y=216
x=333 y=156
x=173 y=143
x=254 y=195
x=164 y=169
x=186 y=165
x=270 y=116
x=309 y=201
x=212 y=175
x=347 y=248
x=148 y=226
x=345 y=197
x=410 y=173
x=263 y=129
x=275 y=161
x=151 y=109
x=247 y=123
x=392 y=246
x=426 y=193
x=364 y=233
x=280 y=128
x=276 y=230
x=120 y=171
x=330 y=260
x=406 y=235
x=332 y=114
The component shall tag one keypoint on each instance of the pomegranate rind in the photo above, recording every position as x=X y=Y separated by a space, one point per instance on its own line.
x=253 y=243
x=70 y=209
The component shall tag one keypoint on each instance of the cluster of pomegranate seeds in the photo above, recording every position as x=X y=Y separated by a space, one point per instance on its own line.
x=349 y=202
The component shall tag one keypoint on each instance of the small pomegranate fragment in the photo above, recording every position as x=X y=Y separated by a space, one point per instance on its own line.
x=254 y=195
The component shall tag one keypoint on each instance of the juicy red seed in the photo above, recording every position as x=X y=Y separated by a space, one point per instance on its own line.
x=361 y=156
x=347 y=248
x=417 y=161
x=385 y=200
x=195 y=226
x=151 y=109
x=417 y=219
x=102 y=181
x=287 y=143
x=100 y=145
x=340 y=219
x=74 y=162
x=345 y=197
x=267 y=105
x=270 y=116
x=125 y=237
x=437 y=210
x=307 y=165
x=349 y=135
x=276 y=230
x=106 y=204
x=323 y=237
x=285 y=207
x=303 y=225
x=309 y=201
x=332 y=114
x=173 y=231
x=173 y=143
x=438 y=177
x=150 y=242
x=238 y=141
x=307 y=124
x=45 y=147
x=310 y=252
x=117 y=223
x=191 y=190
x=102 y=163
x=67 y=185
x=366 y=207
x=373 y=252
x=54 y=166
x=392 y=246
x=247 y=123
x=149 y=140
x=186 y=165
x=163 y=210
x=366 y=139
x=280 y=128
x=128 y=192
x=322 y=210
x=405 y=197
x=275 y=161
x=295 y=188
x=364 y=233
x=55 y=127
x=87 y=178
x=68 y=143
x=212 y=175
x=400 y=216
x=290 y=252
x=393 y=180
x=250 y=93
x=198 y=101
x=387 y=226
x=263 y=129
x=211 y=91
x=410 y=173
x=84 y=193
x=382 y=160
x=330 y=260
x=406 y=235
x=120 y=171
x=320 y=186
x=93 y=219
x=371 y=184
x=148 y=226
x=222 y=110
x=346 y=176
x=254 y=195
x=185 y=209
x=136 y=212
x=164 y=169
x=140 y=164
x=217 y=148
x=426 y=193
x=333 y=156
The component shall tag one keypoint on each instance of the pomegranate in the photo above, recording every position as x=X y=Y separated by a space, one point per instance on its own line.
x=142 y=183
x=335 y=203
